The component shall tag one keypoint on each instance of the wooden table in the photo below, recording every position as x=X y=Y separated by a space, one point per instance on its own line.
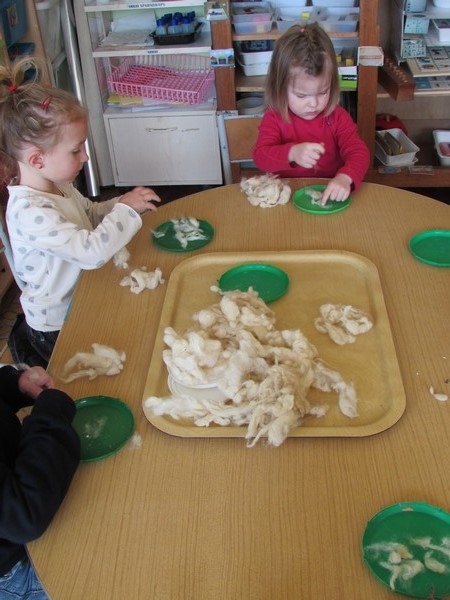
x=209 y=519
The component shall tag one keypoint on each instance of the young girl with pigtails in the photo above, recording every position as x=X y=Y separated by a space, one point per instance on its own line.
x=55 y=232
x=304 y=131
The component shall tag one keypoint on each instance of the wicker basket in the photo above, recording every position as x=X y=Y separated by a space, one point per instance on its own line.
x=171 y=78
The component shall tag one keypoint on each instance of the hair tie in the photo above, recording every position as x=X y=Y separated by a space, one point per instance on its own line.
x=12 y=88
x=46 y=102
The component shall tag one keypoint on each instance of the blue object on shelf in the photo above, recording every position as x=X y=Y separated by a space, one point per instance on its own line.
x=14 y=20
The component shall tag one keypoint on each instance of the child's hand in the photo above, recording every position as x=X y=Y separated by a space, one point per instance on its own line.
x=34 y=380
x=307 y=154
x=140 y=199
x=338 y=189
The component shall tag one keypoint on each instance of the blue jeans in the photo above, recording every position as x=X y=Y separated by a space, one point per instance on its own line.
x=29 y=346
x=21 y=583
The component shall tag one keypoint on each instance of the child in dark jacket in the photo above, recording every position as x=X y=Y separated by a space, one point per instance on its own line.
x=38 y=459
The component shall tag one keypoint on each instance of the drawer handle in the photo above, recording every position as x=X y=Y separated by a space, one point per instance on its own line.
x=152 y=129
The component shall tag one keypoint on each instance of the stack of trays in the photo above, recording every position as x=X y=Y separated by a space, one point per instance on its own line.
x=254 y=63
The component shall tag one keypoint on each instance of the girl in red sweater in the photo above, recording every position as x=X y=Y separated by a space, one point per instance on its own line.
x=304 y=132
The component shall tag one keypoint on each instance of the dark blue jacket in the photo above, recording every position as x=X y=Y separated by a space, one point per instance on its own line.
x=38 y=460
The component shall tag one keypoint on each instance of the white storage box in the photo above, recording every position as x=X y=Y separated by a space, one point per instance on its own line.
x=407 y=157
x=257 y=27
x=415 y=5
x=254 y=69
x=253 y=58
x=442 y=28
x=442 y=137
x=298 y=12
x=286 y=16
x=340 y=24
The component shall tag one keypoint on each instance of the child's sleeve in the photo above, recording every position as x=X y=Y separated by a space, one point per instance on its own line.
x=47 y=457
x=353 y=150
x=270 y=154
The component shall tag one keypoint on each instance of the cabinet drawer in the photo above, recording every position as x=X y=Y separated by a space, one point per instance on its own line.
x=161 y=150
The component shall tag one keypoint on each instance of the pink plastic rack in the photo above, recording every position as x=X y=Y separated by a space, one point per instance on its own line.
x=172 y=78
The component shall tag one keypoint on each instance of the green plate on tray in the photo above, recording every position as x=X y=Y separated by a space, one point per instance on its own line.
x=104 y=425
x=164 y=237
x=432 y=247
x=407 y=547
x=304 y=201
x=270 y=282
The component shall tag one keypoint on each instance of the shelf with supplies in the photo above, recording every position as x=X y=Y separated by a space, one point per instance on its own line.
x=418 y=96
x=155 y=90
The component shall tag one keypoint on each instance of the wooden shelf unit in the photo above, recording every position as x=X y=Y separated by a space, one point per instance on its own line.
x=369 y=96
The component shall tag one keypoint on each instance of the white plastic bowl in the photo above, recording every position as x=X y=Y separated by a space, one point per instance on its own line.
x=205 y=391
x=252 y=105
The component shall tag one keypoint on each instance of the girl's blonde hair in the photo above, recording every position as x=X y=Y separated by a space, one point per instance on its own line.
x=31 y=113
x=301 y=47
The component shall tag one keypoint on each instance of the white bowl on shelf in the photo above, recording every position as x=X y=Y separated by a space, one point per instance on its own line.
x=252 y=105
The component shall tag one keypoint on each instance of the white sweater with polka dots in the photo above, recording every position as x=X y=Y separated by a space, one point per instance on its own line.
x=53 y=238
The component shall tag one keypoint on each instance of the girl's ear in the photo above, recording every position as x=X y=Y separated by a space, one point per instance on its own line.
x=35 y=158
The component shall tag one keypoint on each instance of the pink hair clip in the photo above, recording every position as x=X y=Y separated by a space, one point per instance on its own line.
x=46 y=102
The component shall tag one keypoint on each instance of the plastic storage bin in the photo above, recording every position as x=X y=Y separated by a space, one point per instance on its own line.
x=442 y=136
x=250 y=12
x=257 y=27
x=442 y=28
x=334 y=3
x=49 y=16
x=286 y=16
x=340 y=24
x=251 y=69
x=171 y=78
x=407 y=157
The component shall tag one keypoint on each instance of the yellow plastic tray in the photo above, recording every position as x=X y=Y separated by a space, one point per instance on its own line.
x=316 y=278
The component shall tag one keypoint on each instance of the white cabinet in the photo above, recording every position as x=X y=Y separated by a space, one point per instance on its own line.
x=172 y=144
x=179 y=148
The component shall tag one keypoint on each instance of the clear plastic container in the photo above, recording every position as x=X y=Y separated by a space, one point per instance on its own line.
x=258 y=27
x=249 y=12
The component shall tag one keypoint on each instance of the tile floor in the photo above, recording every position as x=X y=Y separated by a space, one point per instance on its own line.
x=10 y=306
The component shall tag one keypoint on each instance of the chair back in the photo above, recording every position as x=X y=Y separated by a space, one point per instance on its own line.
x=239 y=135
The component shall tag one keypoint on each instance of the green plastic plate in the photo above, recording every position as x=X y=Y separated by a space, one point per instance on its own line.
x=104 y=425
x=304 y=201
x=432 y=247
x=169 y=242
x=423 y=531
x=270 y=282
